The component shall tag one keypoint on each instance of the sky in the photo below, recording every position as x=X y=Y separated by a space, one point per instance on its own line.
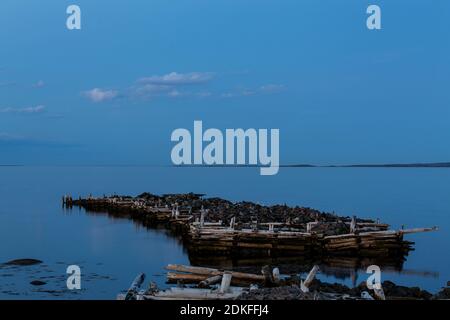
x=112 y=92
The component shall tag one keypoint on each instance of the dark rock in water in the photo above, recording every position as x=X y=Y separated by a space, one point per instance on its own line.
x=38 y=283
x=23 y=262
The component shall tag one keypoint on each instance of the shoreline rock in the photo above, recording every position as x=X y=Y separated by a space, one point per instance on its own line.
x=334 y=291
x=23 y=262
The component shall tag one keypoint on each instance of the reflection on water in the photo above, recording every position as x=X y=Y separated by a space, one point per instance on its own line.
x=112 y=251
x=336 y=267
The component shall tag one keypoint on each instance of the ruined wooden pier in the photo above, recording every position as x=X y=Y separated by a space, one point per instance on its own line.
x=205 y=240
x=304 y=232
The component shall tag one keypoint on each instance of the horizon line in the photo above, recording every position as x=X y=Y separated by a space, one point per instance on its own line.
x=294 y=165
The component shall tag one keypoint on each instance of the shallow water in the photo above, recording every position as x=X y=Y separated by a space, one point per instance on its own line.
x=111 y=252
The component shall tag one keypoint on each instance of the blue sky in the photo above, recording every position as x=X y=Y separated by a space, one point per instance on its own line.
x=112 y=92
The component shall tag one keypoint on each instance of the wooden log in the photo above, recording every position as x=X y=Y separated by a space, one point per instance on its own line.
x=135 y=285
x=191 y=269
x=417 y=230
x=210 y=281
x=185 y=277
x=195 y=294
x=213 y=272
x=373 y=233
x=188 y=278
x=304 y=286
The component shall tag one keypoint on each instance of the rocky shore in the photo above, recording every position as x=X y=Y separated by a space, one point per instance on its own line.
x=215 y=227
x=319 y=290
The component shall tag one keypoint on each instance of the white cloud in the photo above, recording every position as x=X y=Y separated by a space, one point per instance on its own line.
x=174 y=84
x=168 y=85
x=100 y=95
x=27 y=110
x=175 y=78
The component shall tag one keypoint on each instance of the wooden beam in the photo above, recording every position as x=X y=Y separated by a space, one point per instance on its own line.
x=213 y=272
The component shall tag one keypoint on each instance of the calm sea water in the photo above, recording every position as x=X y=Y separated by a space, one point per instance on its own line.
x=111 y=252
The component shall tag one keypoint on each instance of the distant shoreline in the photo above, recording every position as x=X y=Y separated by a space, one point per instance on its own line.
x=398 y=165
x=389 y=165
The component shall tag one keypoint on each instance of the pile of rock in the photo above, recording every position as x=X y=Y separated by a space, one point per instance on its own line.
x=324 y=291
x=247 y=212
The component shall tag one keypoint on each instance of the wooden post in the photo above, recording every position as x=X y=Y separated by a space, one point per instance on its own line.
x=202 y=217
x=304 y=286
x=232 y=222
x=226 y=281
x=276 y=275
x=353 y=225
x=268 y=276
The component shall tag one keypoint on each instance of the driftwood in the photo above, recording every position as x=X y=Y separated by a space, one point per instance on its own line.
x=213 y=272
x=185 y=278
x=304 y=285
x=195 y=294
x=210 y=281
x=135 y=285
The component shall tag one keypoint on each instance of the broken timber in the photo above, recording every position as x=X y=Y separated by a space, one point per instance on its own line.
x=226 y=241
x=208 y=276
x=316 y=237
